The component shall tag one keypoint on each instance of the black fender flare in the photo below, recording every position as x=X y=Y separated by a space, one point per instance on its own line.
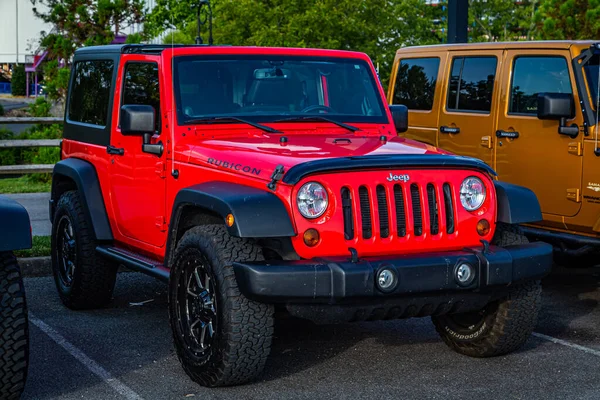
x=15 y=232
x=257 y=213
x=516 y=204
x=86 y=180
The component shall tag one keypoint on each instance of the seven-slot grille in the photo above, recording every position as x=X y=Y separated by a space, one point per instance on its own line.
x=401 y=209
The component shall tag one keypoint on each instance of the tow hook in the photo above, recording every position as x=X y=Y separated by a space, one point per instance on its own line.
x=486 y=246
x=353 y=255
x=276 y=177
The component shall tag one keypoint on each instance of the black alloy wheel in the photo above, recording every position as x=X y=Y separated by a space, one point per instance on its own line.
x=67 y=251
x=197 y=308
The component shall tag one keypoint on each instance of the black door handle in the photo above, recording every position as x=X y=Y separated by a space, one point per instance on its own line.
x=507 y=134
x=117 y=151
x=340 y=140
x=449 y=129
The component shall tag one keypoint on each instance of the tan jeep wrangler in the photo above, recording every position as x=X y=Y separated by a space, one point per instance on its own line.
x=529 y=110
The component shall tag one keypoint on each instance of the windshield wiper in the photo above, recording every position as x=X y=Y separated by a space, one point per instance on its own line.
x=212 y=120
x=351 y=128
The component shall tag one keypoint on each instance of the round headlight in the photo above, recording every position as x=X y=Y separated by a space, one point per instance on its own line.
x=472 y=193
x=312 y=200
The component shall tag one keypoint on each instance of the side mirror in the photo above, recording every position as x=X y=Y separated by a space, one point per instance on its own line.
x=400 y=117
x=137 y=120
x=560 y=107
x=140 y=120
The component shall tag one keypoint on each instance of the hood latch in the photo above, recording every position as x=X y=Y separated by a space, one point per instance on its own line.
x=276 y=177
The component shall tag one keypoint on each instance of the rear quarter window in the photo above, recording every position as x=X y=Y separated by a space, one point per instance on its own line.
x=415 y=83
x=90 y=92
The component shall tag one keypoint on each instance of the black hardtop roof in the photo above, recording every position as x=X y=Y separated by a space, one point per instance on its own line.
x=132 y=48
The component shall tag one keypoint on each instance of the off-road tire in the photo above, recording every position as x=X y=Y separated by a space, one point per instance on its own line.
x=94 y=277
x=244 y=329
x=508 y=235
x=14 y=329
x=503 y=325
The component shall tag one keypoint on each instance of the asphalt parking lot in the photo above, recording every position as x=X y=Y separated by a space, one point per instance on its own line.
x=125 y=351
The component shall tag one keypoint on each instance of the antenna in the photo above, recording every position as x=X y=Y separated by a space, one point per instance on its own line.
x=200 y=22
x=596 y=149
x=174 y=172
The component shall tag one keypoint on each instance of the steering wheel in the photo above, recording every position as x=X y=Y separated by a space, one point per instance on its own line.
x=317 y=107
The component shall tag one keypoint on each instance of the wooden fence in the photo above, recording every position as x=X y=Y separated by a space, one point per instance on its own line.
x=7 y=144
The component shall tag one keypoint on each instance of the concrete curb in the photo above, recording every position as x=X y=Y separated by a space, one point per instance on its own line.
x=35 y=266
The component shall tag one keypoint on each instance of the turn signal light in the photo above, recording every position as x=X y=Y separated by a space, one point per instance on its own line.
x=229 y=220
x=483 y=227
x=311 y=237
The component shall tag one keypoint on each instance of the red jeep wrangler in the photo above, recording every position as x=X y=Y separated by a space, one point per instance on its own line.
x=263 y=179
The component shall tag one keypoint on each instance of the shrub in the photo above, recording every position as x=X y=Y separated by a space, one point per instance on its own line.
x=41 y=108
x=41 y=155
x=18 y=82
x=1 y=110
x=33 y=155
x=8 y=156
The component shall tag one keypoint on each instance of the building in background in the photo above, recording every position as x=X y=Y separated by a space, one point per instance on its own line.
x=19 y=31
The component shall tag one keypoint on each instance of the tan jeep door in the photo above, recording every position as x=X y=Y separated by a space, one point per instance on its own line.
x=416 y=84
x=539 y=158
x=468 y=113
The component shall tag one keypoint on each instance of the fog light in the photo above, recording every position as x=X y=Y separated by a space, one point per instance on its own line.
x=464 y=274
x=483 y=227
x=386 y=280
x=311 y=237
x=229 y=220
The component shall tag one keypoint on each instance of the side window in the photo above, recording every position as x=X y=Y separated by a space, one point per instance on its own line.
x=471 y=84
x=533 y=75
x=140 y=86
x=90 y=92
x=415 y=83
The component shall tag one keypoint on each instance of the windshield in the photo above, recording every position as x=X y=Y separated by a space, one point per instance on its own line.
x=271 y=88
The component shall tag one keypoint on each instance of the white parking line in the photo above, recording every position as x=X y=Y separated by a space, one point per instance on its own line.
x=568 y=344
x=90 y=364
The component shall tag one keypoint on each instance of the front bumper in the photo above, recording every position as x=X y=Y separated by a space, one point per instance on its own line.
x=336 y=281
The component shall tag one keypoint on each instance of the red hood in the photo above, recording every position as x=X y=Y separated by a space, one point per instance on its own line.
x=259 y=155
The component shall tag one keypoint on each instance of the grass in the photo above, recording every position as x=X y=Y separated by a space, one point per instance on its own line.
x=41 y=248
x=23 y=185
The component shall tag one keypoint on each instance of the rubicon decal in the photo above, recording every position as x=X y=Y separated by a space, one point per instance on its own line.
x=234 y=166
x=594 y=186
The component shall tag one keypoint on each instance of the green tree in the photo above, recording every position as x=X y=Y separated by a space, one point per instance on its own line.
x=567 y=19
x=56 y=79
x=376 y=27
x=499 y=20
x=493 y=20
x=78 y=23
x=18 y=82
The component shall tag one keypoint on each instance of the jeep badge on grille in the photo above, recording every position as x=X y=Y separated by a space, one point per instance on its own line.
x=395 y=178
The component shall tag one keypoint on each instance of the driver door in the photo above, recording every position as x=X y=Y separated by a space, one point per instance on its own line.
x=138 y=179
x=529 y=151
